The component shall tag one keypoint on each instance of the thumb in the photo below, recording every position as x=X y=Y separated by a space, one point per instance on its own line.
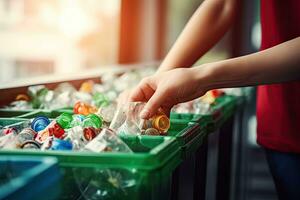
x=153 y=104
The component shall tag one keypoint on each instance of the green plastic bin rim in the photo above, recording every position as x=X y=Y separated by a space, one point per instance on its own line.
x=155 y=158
x=190 y=131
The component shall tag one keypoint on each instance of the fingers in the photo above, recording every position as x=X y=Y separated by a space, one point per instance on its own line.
x=143 y=91
x=154 y=104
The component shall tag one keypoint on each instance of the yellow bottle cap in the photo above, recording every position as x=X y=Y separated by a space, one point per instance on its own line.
x=87 y=86
x=22 y=97
x=161 y=123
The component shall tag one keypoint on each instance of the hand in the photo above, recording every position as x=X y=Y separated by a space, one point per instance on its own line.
x=123 y=98
x=166 y=89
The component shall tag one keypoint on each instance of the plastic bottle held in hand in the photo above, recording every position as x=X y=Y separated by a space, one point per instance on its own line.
x=107 y=140
x=159 y=121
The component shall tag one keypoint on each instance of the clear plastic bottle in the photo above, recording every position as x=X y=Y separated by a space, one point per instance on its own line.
x=74 y=135
x=8 y=140
x=135 y=125
x=107 y=140
x=107 y=112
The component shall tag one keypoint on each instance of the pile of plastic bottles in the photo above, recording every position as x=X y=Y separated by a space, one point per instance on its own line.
x=202 y=105
x=66 y=132
x=88 y=128
x=66 y=95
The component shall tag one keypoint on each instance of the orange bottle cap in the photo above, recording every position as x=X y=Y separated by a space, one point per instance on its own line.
x=161 y=123
x=22 y=97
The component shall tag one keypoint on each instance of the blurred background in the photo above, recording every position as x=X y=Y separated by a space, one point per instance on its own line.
x=61 y=37
x=67 y=36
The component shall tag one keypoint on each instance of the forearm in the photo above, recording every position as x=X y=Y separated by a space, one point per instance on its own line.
x=278 y=64
x=208 y=24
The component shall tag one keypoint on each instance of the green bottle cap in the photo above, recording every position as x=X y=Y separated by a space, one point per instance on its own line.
x=92 y=120
x=100 y=99
x=64 y=120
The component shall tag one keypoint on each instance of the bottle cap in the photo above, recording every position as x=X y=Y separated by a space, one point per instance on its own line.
x=30 y=144
x=58 y=144
x=64 y=120
x=42 y=136
x=40 y=123
x=92 y=120
x=22 y=97
x=87 y=86
x=161 y=123
x=56 y=130
x=151 y=131
x=80 y=108
x=25 y=135
x=89 y=133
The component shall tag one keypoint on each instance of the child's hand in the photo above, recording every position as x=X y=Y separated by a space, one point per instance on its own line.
x=166 y=89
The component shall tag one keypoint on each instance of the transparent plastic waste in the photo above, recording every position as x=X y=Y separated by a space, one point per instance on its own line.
x=105 y=183
x=133 y=124
x=20 y=105
x=118 y=119
x=74 y=135
x=107 y=141
x=8 y=140
x=107 y=112
x=201 y=108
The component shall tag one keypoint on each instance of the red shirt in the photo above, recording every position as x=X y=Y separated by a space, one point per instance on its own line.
x=278 y=105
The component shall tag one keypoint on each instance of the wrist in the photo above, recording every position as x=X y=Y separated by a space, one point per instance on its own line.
x=205 y=76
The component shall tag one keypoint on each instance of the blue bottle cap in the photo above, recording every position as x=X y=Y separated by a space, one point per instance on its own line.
x=58 y=144
x=40 y=123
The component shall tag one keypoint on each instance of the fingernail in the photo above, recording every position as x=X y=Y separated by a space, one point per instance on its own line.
x=144 y=114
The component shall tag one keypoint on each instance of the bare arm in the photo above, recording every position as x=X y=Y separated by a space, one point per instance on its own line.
x=208 y=24
x=277 y=64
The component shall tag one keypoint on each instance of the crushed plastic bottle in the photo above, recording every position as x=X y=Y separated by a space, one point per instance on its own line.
x=8 y=138
x=118 y=119
x=106 y=183
x=107 y=112
x=74 y=135
x=135 y=125
x=107 y=140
